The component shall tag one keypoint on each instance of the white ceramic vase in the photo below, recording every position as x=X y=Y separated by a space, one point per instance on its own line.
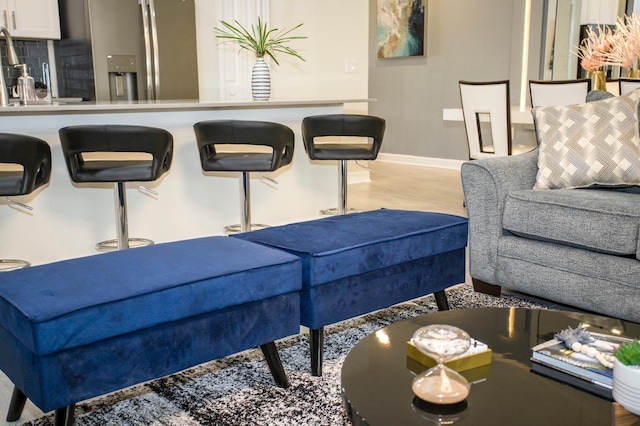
x=626 y=386
x=260 y=81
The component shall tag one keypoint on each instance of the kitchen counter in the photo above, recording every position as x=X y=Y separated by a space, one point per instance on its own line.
x=69 y=219
x=84 y=107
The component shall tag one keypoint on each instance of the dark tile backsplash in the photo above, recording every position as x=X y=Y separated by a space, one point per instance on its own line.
x=30 y=52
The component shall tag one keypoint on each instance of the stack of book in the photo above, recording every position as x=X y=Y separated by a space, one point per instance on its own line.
x=553 y=359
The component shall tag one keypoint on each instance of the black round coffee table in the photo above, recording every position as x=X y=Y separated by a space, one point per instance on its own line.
x=377 y=374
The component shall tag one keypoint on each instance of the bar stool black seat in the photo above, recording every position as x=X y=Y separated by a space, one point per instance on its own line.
x=333 y=127
x=34 y=157
x=105 y=141
x=216 y=140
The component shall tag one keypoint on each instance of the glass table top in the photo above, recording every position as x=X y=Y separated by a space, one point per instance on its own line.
x=377 y=374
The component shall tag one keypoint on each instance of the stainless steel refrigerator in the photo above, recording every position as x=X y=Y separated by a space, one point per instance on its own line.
x=127 y=50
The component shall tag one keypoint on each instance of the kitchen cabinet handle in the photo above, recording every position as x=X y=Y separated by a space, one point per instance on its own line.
x=156 y=53
x=13 y=15
x=6 y=18
x=119 y=85
x=147 y=48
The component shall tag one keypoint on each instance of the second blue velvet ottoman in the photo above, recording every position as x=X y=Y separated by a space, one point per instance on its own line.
x=357 y=263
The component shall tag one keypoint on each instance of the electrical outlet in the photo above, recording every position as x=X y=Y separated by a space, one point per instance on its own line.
x=351 y=66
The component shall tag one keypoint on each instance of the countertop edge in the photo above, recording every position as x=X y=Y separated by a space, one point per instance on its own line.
x=177 y=105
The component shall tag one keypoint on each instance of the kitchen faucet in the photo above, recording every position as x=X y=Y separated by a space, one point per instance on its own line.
x=12 y=58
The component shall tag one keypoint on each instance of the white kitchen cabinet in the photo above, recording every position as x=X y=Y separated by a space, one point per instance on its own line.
x=31 y=19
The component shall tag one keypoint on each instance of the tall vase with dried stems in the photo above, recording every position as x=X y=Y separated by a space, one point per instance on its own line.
x=598 y=80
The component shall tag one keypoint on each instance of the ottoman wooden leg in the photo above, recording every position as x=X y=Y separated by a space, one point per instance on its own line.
x=441 y=300
x=275 y=365
x=316 y=340
x=64 y=416
x=18 y=399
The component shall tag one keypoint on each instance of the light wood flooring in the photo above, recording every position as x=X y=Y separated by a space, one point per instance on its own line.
x=409 y=187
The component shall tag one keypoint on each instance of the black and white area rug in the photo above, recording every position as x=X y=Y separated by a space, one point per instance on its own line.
x=239 y=390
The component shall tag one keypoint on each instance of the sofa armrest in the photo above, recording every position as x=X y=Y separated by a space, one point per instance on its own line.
x=486 y=184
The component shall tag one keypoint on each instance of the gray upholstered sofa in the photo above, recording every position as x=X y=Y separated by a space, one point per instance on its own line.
x=578 y=247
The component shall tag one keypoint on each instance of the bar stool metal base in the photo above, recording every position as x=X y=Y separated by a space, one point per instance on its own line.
x=122 y=241
x=237 y=228
x=245 y=210
x=111 y=245
x=342 y=193
x=7 y=265
x=334 y=211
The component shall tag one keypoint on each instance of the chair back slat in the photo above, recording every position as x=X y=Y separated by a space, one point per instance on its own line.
x=486 y=102
x=558 y=92
x=627 y=85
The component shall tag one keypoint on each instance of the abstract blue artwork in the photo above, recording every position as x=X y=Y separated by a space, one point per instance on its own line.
x=400 y=28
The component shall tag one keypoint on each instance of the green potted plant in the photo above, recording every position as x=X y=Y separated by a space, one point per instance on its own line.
x=626 y=376
x=261 y=40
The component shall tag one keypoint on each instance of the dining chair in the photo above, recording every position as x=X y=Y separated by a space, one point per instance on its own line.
x=558 y=92
x=627 y=85
x=487 y=118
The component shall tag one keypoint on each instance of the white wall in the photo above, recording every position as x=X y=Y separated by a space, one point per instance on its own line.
x=207 y=50
x=337 y=32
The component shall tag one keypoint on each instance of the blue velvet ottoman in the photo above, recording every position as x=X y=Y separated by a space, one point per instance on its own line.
x=357 y=263
x=80 y=328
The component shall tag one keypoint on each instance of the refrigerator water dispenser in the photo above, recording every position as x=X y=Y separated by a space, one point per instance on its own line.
x=123 y=85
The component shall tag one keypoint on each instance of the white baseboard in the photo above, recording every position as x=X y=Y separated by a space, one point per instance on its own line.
x=359 y=175
x=441 y=163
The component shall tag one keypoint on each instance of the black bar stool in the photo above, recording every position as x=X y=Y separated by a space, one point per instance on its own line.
x=27 y=163
x=329 y=131
x=104 y=165
x=214 y=156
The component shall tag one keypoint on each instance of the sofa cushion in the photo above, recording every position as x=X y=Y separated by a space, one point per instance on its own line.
x=116 y=293
x=604 y=220
x=337 y=247
x=589 y=144
x=608 y=285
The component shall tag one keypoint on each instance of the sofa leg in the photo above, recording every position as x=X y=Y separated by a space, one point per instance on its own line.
x=270 y=353
x=441 y=300
x=482 y=287
x=18 y=399
x=316 y=339
x=64 y=416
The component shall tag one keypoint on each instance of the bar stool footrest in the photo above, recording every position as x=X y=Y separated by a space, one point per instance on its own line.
x=7 y=265
x=111 y=245
x=334 y=211
x=237 y=228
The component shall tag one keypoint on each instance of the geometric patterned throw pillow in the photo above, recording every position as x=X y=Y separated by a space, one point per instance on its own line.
x=595 y=143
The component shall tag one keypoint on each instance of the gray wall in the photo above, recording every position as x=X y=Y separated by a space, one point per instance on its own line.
x=466 y=40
